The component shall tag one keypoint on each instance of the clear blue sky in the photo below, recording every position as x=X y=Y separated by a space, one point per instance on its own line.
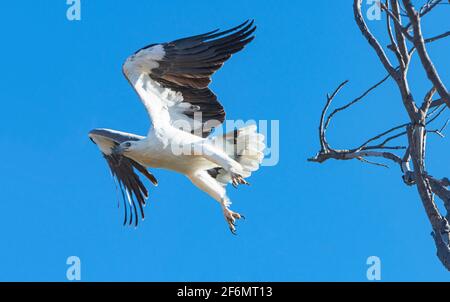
x=305 y=222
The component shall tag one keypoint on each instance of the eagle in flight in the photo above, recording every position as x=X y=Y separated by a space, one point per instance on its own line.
x=172 y=79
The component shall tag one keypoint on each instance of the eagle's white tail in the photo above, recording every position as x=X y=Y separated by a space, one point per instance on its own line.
x=246 y=146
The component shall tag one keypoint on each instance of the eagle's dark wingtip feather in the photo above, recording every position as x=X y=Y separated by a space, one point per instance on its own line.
x=136 y=219
x=189 y=64
x=241 y=28
x=133 y=190
x=125 y=171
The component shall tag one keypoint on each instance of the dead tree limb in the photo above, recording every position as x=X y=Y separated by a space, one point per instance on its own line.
x=405 y=40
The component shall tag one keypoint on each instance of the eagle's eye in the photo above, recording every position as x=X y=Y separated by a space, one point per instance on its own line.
x=127 y=145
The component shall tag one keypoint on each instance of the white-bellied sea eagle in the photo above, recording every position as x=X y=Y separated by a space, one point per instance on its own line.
x=172 y=81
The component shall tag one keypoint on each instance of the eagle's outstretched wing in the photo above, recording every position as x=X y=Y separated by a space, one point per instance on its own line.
x=124 y=171
x=172 y=78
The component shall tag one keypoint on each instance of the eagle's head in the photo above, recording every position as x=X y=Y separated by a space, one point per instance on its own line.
x=126 y=147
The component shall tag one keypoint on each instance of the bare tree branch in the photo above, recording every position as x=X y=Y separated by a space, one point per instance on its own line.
x=437 y=103
x=438 y=37
x=322 y=129
x=400 y=78
x=428 y=100
x=419 y=44
x=371 y=39
x=413 y=161
x=366 y=143
x=356 y=100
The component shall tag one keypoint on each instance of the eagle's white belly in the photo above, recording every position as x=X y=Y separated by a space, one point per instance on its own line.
x=171 y=150
x=185 y=164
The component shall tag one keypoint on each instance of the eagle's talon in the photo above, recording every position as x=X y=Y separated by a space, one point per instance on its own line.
x=231 y=218
x=237 y=179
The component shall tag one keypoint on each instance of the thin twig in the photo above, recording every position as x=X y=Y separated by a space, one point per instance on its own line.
x=323 y=144
x=380 y=136
x=356 y=100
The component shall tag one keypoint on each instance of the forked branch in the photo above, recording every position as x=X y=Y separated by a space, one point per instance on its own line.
x=410 y=154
